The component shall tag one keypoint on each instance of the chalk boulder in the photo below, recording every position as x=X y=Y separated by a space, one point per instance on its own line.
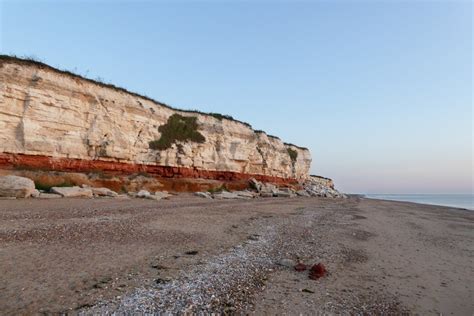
x=103 y=192
x=14 y=186
x=162 y=194
x=143 y=194
x=205 y=195
x=224 y=195
x=72 y=191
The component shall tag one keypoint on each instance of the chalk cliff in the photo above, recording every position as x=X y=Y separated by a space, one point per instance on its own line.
x=52 y=119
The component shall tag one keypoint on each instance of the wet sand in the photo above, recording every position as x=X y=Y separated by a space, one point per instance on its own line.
x=191 y=254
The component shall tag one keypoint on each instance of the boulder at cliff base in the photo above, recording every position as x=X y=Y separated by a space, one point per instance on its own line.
x=14 y=186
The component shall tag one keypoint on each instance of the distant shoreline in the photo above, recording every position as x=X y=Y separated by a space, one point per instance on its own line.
x=456 y=201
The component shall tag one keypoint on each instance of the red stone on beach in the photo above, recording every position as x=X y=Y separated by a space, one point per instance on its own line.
x=301 y=267
x=317 y=271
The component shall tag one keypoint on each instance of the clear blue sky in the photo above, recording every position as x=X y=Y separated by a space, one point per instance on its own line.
x=380 y=91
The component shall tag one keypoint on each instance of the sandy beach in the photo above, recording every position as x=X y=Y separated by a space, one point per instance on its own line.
x=90 y=256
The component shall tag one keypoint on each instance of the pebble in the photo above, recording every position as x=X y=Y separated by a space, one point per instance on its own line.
x=288 y=263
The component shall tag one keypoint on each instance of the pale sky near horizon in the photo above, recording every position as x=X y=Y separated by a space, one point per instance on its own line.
x=379 y=91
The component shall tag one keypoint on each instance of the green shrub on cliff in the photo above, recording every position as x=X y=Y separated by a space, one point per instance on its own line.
x=177 y=128
x=293 y=154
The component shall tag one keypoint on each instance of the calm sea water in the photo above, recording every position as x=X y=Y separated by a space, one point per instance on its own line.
x=454 y=200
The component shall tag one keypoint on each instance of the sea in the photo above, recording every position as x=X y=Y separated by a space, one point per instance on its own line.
x=454 y=200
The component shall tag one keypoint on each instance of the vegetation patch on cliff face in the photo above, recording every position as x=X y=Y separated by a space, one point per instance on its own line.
x=293 y=154
x=178 y=128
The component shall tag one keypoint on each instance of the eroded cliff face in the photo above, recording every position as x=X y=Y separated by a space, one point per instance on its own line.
x=72 y=123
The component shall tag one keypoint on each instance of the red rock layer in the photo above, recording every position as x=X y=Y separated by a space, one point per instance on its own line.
x=33 y=162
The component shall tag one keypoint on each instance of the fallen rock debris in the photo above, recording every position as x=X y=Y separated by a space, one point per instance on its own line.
x=313 y=186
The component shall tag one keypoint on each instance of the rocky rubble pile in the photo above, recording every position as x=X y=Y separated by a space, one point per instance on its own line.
x=312 y=187
x=12 y=187
x=322 y=187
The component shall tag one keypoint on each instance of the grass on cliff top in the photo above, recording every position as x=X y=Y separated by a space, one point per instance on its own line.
x=220 y=117
x=177 y=128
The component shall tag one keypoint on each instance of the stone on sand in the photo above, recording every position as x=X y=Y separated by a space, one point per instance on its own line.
x=72 y=191
x=227 y=195
x=14 y=186
x=205 y=195
x=288 y=263
x=104 y=192
x=245 y=194
x=143 y=194
x=162 y=194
